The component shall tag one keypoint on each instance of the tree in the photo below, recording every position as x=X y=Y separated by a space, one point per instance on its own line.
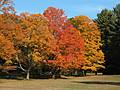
x=71 y=47
x=26 y=39
x=11 y=35
x=37 y=43
x=6 y=6
x=89 y=31
x=69 y=52
x=108 y=22
x=9 y=30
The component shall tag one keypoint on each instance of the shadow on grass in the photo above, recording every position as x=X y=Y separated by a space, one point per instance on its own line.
x=98 y=82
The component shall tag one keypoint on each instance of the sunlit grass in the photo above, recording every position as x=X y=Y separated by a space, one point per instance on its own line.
x=71 y=83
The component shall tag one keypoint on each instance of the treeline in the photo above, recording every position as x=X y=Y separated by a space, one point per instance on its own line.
x=36 y=45
x=48 y=42
x=109 y=25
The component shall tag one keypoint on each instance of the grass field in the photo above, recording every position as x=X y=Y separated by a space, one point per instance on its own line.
x=71 y=83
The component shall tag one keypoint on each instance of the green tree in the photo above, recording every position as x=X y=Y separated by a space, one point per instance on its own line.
x=109 y=24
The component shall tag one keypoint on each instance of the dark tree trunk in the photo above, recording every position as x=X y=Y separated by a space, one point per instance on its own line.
x=95 y=72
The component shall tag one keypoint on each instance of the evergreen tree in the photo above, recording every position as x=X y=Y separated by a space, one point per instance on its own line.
x=109 y=24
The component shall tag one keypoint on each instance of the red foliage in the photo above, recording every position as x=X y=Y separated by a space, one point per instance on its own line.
x=71 y=47
x=57 y=20
x=69 y=41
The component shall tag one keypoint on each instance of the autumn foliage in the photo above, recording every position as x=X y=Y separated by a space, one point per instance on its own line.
x=94 y=57
x=6 y=6
x=31 y=40
x=70 y=47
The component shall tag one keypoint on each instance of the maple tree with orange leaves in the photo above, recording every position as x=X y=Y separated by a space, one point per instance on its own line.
x=70 y=43
x=91 y=34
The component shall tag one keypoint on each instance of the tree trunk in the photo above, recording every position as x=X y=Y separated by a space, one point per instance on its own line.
x=76 y=72
x=95 y=72
x=84 y=72
x=28 y=75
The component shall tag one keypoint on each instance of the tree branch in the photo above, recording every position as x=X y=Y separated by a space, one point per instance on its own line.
x=20 y=66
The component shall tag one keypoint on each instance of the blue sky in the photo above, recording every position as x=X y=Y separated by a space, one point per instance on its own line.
x=71 y=7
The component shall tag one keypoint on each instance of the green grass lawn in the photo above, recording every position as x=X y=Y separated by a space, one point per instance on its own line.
x=71 y=83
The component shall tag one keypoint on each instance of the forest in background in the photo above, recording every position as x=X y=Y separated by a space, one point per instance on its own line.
x=35 y=45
